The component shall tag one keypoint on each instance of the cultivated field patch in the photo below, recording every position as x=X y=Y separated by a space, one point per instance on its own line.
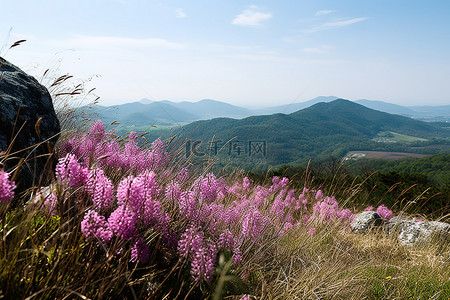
x=353 y=155
x=394 y=137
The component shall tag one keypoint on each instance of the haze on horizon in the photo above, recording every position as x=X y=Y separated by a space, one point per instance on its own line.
x=247 y=53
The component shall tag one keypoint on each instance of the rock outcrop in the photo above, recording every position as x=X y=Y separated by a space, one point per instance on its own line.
x=366 y=220
x=409 y=232
x=28 y=123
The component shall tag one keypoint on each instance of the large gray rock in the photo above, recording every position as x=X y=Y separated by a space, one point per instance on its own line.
x=366 y=220
x=412 y=233
x=27 y=106
x=397 y=224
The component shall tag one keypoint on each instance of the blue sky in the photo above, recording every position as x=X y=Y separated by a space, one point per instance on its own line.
x=248 y=53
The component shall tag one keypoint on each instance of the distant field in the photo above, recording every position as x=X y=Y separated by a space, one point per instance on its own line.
x=394 y=137
x=380 y=154
x=124 y=129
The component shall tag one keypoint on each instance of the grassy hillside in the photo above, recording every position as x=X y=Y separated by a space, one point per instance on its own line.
x=130 y=222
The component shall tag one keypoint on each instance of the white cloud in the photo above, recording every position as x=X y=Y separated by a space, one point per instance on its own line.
x=251 y=17
x=336 y=24
x=323 y=12
x=181 y=13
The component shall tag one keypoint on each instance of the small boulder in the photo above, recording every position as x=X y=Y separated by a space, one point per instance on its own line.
x=364 y=221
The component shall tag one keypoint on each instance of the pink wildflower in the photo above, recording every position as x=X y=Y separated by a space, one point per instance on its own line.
x=226 y=240
x=247 y=184
x=253 y=223
x=122 y=222
x=140 y=252
x=237 y=256
x=50 y=203
x=384 y=212
x=69 y=169
x=6 y=187
x=203 y=261
x=319 y=194
x=188 y=205
x=191 y=241
x=183 y=175
x=173 y=191
x=100 y=188
x=95 y=225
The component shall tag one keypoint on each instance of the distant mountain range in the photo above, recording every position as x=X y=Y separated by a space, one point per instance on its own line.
x=147 y=112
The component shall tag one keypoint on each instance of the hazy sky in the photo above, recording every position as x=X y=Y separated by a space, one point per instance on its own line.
x=249 y=53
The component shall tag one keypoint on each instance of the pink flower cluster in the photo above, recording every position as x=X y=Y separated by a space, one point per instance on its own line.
x=70 y=170
x=105 y=149
x=384 y=212
x=327 y=209
x=140 y=251
x=100 y=188
x=128 y=210
x=94 y=225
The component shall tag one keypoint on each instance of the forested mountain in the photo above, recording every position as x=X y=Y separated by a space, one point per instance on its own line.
x=348 y=117
x=321 y=130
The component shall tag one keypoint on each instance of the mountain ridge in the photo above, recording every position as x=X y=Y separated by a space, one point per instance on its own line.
x=166 y=112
